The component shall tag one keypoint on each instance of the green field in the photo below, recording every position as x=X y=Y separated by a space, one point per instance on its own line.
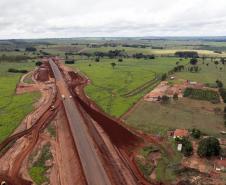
x=39 y=169
x=108 y=84
x=185 y=113
x=13 y=108
x=208 y=74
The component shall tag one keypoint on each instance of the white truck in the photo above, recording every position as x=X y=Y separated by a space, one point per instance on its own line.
x=63 y=97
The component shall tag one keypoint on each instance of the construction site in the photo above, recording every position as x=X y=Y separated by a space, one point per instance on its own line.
x=90 y=147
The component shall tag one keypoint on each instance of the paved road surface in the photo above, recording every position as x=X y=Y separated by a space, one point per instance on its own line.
x=93 y=168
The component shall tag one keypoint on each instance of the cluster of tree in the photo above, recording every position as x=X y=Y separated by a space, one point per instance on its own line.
x=179 y=68
x=157 y=47
x=209 y=147
x=111 y=54
x=31 y=49
x=69 y=53
x=69 y=61
x=11 y=58
x=223 y=60
x=187 y=54
x=187 y=148
x=194 y=69
x=135 y=45
x=141 y=55
x=12 y=70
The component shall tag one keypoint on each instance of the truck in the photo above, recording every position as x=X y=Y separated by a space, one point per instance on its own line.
x=63 y=96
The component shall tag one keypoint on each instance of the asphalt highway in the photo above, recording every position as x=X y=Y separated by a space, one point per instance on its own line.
x=94 y=171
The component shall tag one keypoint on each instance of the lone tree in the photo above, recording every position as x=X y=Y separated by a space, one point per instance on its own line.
x=113 y=64
x=219 y=84
x=193 y=61
x=209 y=147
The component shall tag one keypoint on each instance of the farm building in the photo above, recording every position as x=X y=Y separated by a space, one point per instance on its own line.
x=180 y=133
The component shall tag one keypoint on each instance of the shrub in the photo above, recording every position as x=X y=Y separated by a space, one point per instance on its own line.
x=69 y=62
x=12 y=70
x=38 y=63
x=165 y=99
x=31 y=49
x=219 y=84
x=164 y=76
x=223 y=94
x=196 y=133
x=175 y=96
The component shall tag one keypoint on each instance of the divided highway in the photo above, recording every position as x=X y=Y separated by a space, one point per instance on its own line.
x=94 y=171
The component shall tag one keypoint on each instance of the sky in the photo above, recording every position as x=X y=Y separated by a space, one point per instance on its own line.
x=111 y=18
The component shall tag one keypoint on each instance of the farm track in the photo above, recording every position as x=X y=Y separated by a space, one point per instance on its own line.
x=142 y=87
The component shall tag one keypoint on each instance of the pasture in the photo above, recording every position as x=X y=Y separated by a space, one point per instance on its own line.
x=157 y=118
x=108 y=84
x=13 y=108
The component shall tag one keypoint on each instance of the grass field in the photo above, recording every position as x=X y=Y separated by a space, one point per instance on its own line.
x=108 y=84
x=185 y=113
x=13 y=108
x=39 y=169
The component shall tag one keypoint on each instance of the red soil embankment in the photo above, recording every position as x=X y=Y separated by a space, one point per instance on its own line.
x=119 y=135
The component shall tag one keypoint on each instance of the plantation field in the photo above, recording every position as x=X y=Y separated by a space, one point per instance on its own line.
x=13 y=108
x=208 y=74
x=202 y=94
x=185 y=113
x=108 y=84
